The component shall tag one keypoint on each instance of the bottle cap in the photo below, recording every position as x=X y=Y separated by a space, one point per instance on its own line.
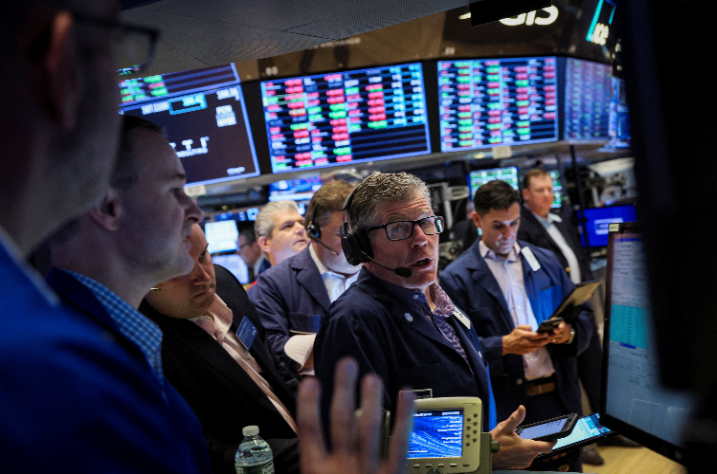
x=252 y=430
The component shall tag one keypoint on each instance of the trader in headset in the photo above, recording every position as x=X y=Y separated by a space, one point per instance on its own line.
x=293 y=297
x=398 y=323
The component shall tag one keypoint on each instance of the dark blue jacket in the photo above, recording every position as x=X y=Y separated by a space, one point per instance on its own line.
x=370 y=325
x=471 y=285
x=146 y=427
x=291 y=299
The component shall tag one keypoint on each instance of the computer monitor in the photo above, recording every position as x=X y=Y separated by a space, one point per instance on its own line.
x=478 y=178
x=634 y=402
x=346 y=117
x=204 y=117
x=301 y=189
x=588 y=92
x=235 y=265
x=557 y=188
x=487 y=103
x=221 y=236
x=619 y=129
x=599 y=220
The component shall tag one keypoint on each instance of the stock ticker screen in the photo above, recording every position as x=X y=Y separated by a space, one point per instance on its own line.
x=203 y=114
x=497 y=102
x=346 y=117
x=588 y=91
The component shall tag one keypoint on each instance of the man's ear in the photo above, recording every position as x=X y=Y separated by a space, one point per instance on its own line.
x=108 y=211
x=61 y=68
x=263 y=244
x=525 y=193
x=476 y=219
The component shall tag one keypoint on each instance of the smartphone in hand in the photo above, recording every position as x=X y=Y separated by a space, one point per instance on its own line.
x=549 y=325
x=549 y=430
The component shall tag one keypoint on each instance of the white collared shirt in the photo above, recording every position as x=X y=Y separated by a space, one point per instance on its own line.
x=335 y=283
x=509 y=274
x=559 y=239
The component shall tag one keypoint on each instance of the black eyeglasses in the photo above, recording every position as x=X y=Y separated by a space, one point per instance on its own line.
x=133 y=47
x=401 y=230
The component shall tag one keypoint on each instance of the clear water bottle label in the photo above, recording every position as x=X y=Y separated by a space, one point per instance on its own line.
x=267 y=468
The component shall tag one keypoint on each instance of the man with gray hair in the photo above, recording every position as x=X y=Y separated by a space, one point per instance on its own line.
x=397 y=322
x=280 y=231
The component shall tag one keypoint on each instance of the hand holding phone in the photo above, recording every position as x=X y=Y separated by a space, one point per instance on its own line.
x=549 y=325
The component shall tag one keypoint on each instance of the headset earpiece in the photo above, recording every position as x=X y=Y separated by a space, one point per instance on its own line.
x=313 y=230
x=356 y=245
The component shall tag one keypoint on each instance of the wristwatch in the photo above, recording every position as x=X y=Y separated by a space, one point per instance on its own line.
x=572 y=336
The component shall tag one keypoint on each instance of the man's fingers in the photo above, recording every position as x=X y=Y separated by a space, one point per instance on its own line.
x=343 y=405
x=308 y=417
x=402 y=426
x=369 y=425
x=514 y=420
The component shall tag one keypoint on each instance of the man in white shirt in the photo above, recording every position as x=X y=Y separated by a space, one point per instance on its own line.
x=293 y=297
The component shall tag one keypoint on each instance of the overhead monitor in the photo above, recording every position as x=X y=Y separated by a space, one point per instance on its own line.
x=300 y=189
x=478 y=178
x=221 y=236
x=346 y=117
x=598 y=220
x=635 y=403
x=588 y=91
x=487 y=103
x=204 y=117
x=241 y=215
x=234 y=264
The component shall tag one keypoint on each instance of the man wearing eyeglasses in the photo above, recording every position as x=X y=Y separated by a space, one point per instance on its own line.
x=397 y=322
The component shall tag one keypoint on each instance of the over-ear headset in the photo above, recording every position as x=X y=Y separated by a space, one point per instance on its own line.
x=313 y=230
x=356 y=244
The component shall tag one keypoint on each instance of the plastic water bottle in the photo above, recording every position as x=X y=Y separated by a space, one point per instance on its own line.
x=254 y=454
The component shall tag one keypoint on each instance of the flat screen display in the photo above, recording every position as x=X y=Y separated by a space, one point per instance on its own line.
x=204 y=117
x=301 y=189
x=235 y=265
x=585 y=428
x=619 y=116
x=497 y=102
x=544 y=429
x=599 y=220
x=478 y=178
x=221 y=236
x=346 y=117
x=588 y=91
x=633 y=392
x=436 y=434
x=557 y=188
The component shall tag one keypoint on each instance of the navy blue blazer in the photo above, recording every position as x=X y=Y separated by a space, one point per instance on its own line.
x=370 y=325
x=291 y=299
x=150 y=426
x=471 y=285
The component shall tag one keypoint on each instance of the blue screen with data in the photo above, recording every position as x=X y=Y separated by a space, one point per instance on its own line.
x=437 y=434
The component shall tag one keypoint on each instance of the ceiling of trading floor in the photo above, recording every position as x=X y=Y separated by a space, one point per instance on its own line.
x=210 y=32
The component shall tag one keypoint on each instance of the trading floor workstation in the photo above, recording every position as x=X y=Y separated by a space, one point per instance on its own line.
x=514 y=140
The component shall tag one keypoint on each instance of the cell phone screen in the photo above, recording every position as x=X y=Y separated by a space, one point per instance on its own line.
x=587 y=427
x=545 y=429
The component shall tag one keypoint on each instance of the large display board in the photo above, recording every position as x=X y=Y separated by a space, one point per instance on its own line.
x=346 y=117
x=203 y=114
x=495 y=102
x=588 y=92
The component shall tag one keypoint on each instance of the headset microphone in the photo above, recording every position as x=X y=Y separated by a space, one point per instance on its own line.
x=314 y=231
x=321 y=243
x=403 y=272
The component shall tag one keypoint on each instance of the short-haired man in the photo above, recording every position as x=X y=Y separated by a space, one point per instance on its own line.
x=280 y=231
x=293 y=297
x=397 y=322
x=216 y=357
x=250 y=252
x=71 y=395
x=508 y=287
x=542 y=228
x=105 y=262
